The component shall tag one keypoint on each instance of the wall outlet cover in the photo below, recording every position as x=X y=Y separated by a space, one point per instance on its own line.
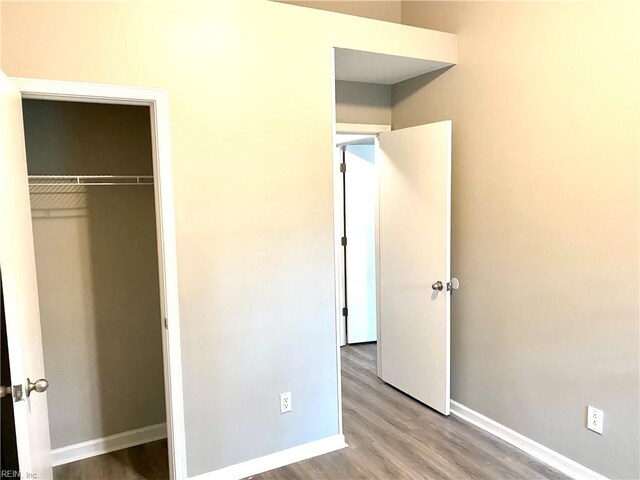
x=285 y=402
x=595 y=419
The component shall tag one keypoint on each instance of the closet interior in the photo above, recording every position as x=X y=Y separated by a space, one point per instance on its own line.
x=91 y=186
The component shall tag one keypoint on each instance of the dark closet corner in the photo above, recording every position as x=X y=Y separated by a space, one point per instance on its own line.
x=9 y=460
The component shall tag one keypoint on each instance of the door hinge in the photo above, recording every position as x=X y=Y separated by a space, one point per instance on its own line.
x=5 y=391
x=343 y=241
x=166 y=323
x=16 y=392
x=343 y=168
x=345 y=312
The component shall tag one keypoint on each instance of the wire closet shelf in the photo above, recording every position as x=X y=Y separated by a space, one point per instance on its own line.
x=89 y=180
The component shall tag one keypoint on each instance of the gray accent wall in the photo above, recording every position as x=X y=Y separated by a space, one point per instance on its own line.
x=545 y=103
x=358 y=102
x=97 y=268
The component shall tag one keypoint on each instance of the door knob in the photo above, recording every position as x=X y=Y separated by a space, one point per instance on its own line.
x=454 y=284
x=37 y=386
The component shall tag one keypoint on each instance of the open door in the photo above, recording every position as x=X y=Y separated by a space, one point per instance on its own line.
x=414 y=263
x=18 y=270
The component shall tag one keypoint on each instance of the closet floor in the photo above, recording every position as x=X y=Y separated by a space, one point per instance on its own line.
x=147 y=461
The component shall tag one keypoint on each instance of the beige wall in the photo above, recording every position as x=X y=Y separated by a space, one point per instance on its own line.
x=387 y=10
x=358 y=102
x=250 y=96
x=96 y=259
x=545 y=108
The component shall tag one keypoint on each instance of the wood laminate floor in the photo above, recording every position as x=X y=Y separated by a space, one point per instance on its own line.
x=390 y=437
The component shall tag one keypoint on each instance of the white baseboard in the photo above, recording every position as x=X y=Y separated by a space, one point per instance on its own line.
x=276 y=460
x=540 y=452
x=91 y=448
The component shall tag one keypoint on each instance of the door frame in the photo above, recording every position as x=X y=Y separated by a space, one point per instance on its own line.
x=342 y=140
x=363 y=131
x=158 y=102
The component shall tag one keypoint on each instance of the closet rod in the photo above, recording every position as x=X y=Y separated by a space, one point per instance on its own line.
x=99 y=180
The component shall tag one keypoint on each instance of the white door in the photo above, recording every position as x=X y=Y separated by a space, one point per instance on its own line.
x=415 y=211
x=18 y=270
x=360 y=214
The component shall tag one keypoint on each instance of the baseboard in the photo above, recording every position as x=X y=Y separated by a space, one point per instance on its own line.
x=540 y=452
x=276 y=460
x=91 y=448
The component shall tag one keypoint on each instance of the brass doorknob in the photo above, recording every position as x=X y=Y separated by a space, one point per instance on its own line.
x=38 y=386
x=438 y=286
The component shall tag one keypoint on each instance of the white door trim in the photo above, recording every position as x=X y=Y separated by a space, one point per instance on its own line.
x=158 y=102
x=361 y=128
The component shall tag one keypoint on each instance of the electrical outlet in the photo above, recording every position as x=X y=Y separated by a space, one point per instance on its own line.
x=285 y=402
x=595 y=419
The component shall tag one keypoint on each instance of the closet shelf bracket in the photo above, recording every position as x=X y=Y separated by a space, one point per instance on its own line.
x=91 y=180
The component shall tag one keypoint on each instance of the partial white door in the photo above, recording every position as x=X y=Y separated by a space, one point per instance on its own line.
x=18 y=270
x=414 y=229
x=360 y=211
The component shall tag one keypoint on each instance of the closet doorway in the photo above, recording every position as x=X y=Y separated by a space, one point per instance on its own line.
x=97 y=184
x=92 y=203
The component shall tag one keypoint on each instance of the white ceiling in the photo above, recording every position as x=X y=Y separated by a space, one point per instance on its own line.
x=369 y=67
